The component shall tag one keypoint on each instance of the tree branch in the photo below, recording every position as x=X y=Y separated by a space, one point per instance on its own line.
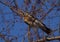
x=49 y=39
x=47 y=13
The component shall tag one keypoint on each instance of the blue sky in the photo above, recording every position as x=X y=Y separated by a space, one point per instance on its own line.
x=18 y=27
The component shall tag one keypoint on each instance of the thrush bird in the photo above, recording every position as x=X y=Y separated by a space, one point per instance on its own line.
x=30 y=20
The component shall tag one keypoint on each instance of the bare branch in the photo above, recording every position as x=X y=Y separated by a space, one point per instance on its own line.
x=15 y=2
x=49 y=39
x=48 y=12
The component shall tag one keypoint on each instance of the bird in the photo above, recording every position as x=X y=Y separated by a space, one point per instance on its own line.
x=34 y=22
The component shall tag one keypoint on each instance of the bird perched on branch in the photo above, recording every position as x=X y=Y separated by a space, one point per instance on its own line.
x=34 y=22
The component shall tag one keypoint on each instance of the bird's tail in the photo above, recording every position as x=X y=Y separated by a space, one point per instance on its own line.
x=45 y=28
